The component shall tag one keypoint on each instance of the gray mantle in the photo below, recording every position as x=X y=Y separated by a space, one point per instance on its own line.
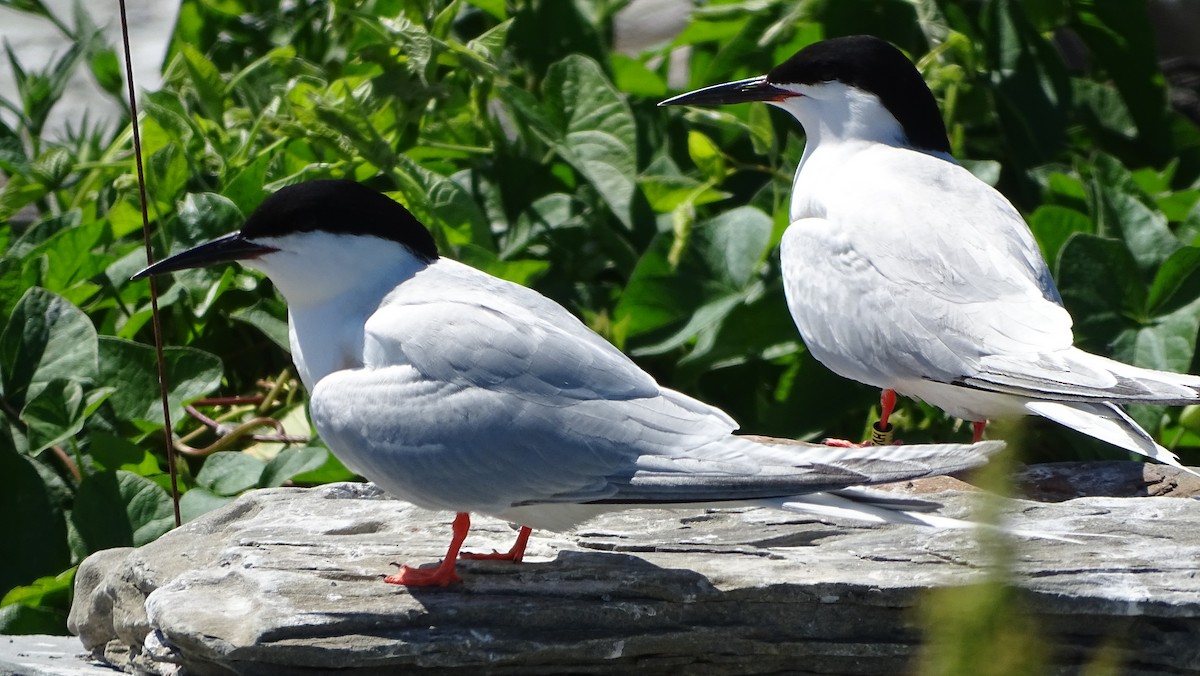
x=288 y=581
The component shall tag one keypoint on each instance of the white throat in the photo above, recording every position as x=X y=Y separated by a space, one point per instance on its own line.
x=833 y=113
x=332 y=284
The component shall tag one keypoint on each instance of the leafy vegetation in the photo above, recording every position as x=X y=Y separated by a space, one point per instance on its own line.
x=535 y=152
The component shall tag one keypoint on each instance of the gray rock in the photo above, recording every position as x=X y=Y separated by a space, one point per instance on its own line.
x=1055 y=481
x=47 y=656
x=288 y=581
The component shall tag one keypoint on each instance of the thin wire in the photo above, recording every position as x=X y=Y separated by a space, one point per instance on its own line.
x=158 y=340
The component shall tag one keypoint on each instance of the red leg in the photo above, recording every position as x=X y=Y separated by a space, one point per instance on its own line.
x=887 y=404
x=443 y=575
x=882 y=434
x=515 y=554
x=978 y=427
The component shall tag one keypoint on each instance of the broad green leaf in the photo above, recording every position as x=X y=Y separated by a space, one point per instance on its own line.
x=1165 y=343
x=72 y=257
x=523 y=272
x=1101 y=287
x=1052 y=225
x=17 y=618
x=264 y=315
x=206 y=78
x=53 y=413
x=49 y=591
x=665 y=193
x=735 y=242
x=120 y=509
x=107 y=70
x=38 y=608
x=1177 y=282
x=230 y=472
x=203 y=217
x=167 y=173
x=720 y=261
x=292 y=462
x=199 y=501
x=633 y=77
x=594 y=130
x=110 y=452
x=1030 y=85
x=439 y=200
x=46 y=338
x=1121 y=213
x=32 y=530
x=1120 y=37
x=706 y=155
x=132 y=369
x=331 y=470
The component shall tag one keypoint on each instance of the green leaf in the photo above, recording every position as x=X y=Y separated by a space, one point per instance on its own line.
x=38 y=608
x=594 y=130
x=1120 y=37
x=1102 y=288
x=107 y=70
x=633 y=77
x=46 y=338
x=331 y=470
x=19 y=619
x=1120 y=212
x=264 y=315
x=292 y=462
x=203 y=217
x=1052 y=225
x=523 y=272
x=110 y=452
x=230 y=472
x=1031 y=88
x=207 y=80
x=53 y=414
x=48 y=591
x=198 y=501
x=706 y=155
x=720 y=262
x=437 y=199
x=120 y=509
x=1177 y=282
x=132 y=369
x=33 y=530
x=72 y=256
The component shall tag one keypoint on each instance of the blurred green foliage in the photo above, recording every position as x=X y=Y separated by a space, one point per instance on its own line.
x=537 y=153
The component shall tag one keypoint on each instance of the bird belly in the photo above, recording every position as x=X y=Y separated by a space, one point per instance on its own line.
x=840 y=315
x=966 y=403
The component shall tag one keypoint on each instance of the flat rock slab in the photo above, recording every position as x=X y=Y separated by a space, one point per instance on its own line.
x=288 y=581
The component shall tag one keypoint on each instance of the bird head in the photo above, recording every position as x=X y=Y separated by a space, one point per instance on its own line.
x=851 y=88
x=316 y=238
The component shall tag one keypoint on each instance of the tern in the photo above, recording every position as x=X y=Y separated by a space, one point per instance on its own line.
x=456 y=390
x=904 y=271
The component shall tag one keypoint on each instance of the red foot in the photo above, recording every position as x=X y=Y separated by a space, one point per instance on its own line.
x=443 y=575
x=843 y=443
x=978 y=428
x=515 y=554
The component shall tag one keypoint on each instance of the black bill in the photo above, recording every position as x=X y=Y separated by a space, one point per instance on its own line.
x=741 y=91
x=231 y=247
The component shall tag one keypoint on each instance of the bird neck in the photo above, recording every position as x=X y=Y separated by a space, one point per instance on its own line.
x=834 y=113
x=331 y=288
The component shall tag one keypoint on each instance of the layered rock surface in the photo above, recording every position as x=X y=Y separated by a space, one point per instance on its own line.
x=288 y=581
